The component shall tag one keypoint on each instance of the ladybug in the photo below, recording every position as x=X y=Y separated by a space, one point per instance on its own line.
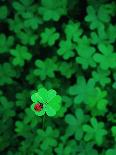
x=38 y=106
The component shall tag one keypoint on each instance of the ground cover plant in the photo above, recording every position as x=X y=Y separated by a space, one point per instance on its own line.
x=58 y=77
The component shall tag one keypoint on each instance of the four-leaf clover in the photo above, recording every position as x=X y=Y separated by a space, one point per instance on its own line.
x=50 y=102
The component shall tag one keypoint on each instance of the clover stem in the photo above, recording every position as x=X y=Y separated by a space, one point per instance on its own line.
x=43 y=122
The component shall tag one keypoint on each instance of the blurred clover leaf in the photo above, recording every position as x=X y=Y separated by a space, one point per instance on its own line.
x=20 y=54
x=113 y=129
x=86 y=149
x=82 y=90
x=66 y=49
x=45 y=68
x=101 y=76
x=97 y=102
x=27 y=37
x=85 y=52
x=47 y=138
x=66 y=69
x=107 y=58
x=3 y=12
x=95 y=131
x=5 y=43
x=75 y=124
x=111 y=152
x=6 y=108
x=7 y=72
x=73 y=31
x=51 y=102
x=49 y=36
x=22 y=98
x=52 y=10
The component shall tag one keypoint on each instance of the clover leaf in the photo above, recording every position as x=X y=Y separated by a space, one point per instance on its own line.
x=73 y=31
x=66 y=49
x=107 y=58
x=111 y=151
x=5 y=43
x=45 y=68
x=66 y=69
x=50 y=101
x=113 y=129
x=81 y=90
x=49 y=36
x=7 y=72
x=75 y=124
x=85 y=52
x=52 y=10
x=95 y=131
x=3 y=12
x=101 y=76
x=20 y=54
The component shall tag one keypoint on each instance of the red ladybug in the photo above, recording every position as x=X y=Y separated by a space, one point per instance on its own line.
x=38 y=106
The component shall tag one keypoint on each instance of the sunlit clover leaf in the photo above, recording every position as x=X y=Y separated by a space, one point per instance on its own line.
x=107 y=58
x=85 y=52
x=49 y=36
x=3 y=12
x=73 y=31
x=45 y=68
x=51 y=102
x=7 y=72
x=52 y=10
x=20 y=55
x=111 y=151
x=66 y=49
x=95 y=131
x=82 y=90
x=75 y=123
x=5 y=43
x=101 y=76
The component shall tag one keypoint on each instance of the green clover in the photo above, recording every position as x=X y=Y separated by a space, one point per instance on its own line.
x=50 y=102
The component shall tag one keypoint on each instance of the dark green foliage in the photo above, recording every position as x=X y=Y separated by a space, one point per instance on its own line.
x=63 y=46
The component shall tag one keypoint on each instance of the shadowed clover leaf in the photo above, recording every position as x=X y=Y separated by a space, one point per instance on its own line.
x=107 y=58
x=97 y=102
x=85 y=52
x=20 y=54
x=101 y=76
x=6 y=108
x=111 y=151
x=75 y=124
x=49 y=100
x=114 y=132
x=7 y=72
x=49 y=36
x=66 y=49
x=52 y=10
x=86 y=149
x=47 y=138
x=95 y=131
x=73 y=31
x=45 y=68
x=5 y=43
x=3 y=12
x=66 y=69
